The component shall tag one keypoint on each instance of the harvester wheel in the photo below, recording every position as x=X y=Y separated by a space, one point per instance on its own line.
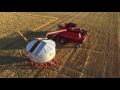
x=62 y=40
x=77 y=45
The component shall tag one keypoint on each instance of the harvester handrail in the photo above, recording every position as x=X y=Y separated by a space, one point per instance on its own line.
x=49 y=33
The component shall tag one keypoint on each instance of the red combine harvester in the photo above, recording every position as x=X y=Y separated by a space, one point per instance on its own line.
x=68 y=32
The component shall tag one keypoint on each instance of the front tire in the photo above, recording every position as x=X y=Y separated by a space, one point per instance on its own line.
x=62 y=40
x=77 y=45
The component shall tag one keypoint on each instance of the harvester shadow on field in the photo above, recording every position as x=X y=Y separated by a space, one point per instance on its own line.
x=14 y=52
x=18 y=42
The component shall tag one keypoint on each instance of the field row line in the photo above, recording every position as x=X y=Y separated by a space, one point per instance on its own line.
x=107 y=62
x=44 y=25
x=108 y=49
x=81 y=72
x=34 y=15
x=88 y=55
x=88 y=19
x=58 y=22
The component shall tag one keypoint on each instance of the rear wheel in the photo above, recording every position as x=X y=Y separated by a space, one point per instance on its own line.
x=77 y=45
x=62 y=40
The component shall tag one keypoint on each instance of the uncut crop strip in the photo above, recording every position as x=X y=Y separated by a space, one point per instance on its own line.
x=84 y=20
x=85 y=65
x=109 y=14
x=85 y=17
x=89 y=23
x=88 y=20
x=119 y=41
x=94 y=32
x=108 y=49
x=100 y=60
x=112 y=67
x=94 y=27
x=90 y=28
x=115 y=71
x=107 y=32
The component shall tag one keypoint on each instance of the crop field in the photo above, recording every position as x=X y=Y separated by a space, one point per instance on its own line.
x=98 y=56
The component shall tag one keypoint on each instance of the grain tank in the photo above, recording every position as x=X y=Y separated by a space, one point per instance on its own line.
x=41 y=51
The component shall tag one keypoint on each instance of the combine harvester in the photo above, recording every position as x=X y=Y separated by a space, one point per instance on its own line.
x=42 y=51
x=69 y=32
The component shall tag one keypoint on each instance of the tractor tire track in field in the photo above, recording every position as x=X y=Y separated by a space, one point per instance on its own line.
x=107 y=51
x=86 y=63
x=112 y=67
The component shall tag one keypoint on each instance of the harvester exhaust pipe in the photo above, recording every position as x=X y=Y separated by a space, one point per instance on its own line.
x=26 y=40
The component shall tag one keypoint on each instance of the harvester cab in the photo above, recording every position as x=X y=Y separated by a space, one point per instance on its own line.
x=66 y=26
